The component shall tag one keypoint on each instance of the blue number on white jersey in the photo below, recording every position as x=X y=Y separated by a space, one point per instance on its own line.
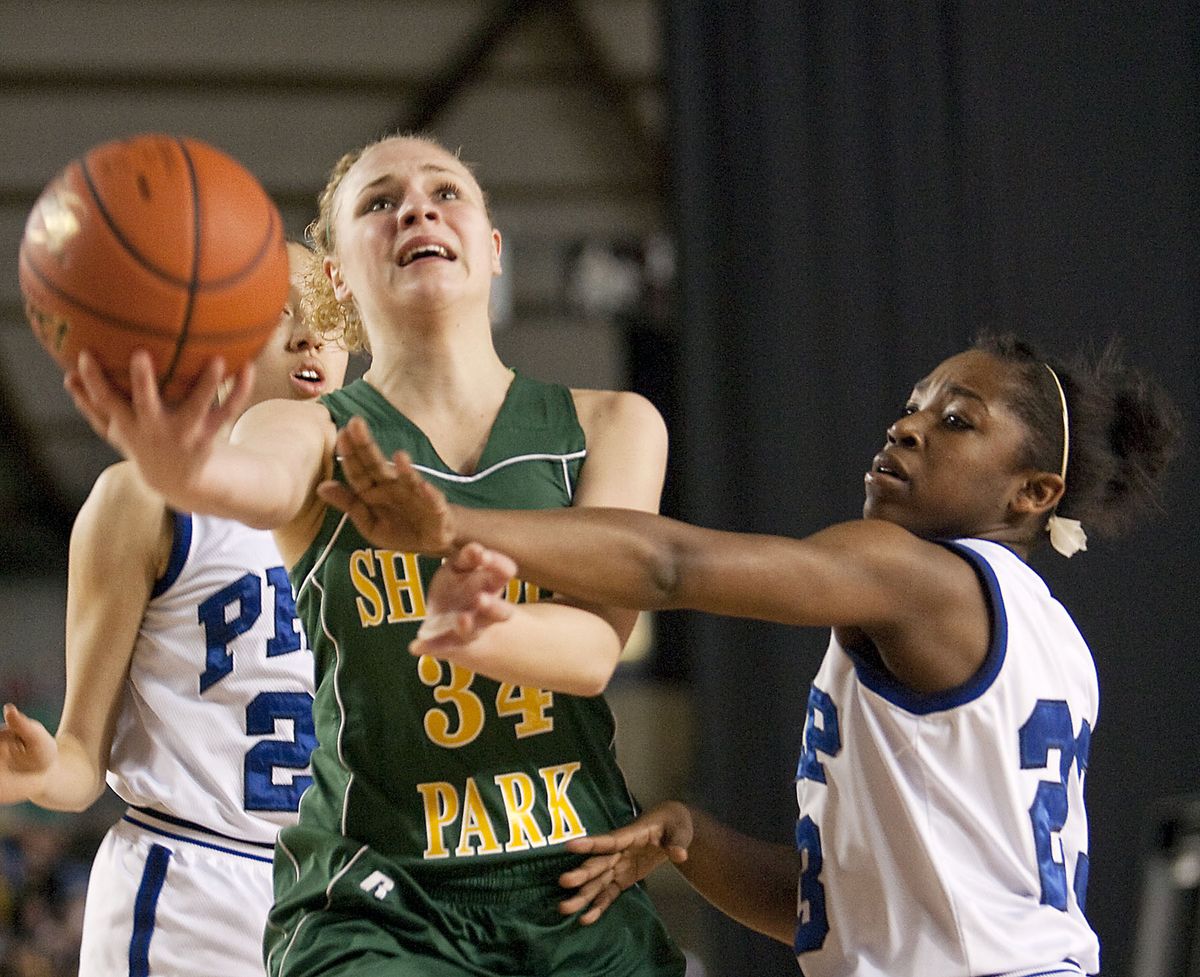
x=812 y=924
x=1049 y=727
x=264 y=758
x=821 y=734
x=228 y=613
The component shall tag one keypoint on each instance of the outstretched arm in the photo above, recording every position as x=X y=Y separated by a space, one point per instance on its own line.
x=262 y=477
x=751 y=881
x=921 y=605
x=561 y=645
x=108 y=587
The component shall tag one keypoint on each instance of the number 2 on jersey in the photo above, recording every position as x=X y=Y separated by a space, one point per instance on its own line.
x=232 y=611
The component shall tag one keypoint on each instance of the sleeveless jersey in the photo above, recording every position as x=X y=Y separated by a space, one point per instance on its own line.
x=945 y=835
x=215 y=727
x=438 y=769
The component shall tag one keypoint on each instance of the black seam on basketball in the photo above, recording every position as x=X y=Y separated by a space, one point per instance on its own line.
x=253 y=263
x=129 y=325
x=126 y=324
x=133 y=252
x=185 y=327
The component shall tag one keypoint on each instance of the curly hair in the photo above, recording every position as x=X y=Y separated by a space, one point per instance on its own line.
x=328 y=317
x=1123 y=428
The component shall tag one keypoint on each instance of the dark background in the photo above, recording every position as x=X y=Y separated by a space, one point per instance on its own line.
x=858 y=188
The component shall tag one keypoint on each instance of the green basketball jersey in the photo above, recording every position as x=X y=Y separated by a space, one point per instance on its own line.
x=434 y=767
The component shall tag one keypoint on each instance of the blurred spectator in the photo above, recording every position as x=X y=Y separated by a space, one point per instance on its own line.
x=44 y=865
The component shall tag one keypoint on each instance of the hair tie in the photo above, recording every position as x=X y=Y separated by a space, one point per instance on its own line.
x=1066 y=535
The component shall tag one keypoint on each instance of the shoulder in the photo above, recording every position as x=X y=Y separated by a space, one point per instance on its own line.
x=626 y=449
x=120 y=492
x=604 y=410
x=303 y=412
x=924 y=571
x=121 y=506
x=298 y=431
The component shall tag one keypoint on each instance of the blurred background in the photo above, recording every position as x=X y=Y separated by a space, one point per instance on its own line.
x=768 y=218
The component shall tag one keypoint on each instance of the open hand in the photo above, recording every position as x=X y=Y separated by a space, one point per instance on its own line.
x=168 y=443
x=27 y=751
x=465 y=596
x=389 y=502
x=624 y=857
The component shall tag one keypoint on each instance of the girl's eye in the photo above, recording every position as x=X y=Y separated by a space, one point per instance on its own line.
x=381 y=203
x=957 y=422
x=447 y=192
x=909 y=409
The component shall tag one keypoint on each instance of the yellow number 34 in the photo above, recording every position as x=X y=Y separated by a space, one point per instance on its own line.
x=531 y=705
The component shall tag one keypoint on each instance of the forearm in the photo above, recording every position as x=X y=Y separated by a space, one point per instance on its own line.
x=642 y=554
x=234 y=483
x=548 y=646
x=73 y=782
x=753 y=882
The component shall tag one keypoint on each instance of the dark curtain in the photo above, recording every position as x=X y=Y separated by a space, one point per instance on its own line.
x=858 y=189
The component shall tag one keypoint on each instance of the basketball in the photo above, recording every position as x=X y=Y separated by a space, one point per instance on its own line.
x=154 y=242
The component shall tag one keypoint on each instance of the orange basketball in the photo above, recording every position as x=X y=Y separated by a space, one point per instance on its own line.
x=155 y=242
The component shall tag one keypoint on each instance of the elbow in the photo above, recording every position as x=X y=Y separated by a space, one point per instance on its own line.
x=77 y=805
x=72 y=803
x=593 y=681
x=591 y=685
x=664 y=579
x=598 y=668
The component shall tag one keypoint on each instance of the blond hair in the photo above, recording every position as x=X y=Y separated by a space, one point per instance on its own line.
x=327 y=316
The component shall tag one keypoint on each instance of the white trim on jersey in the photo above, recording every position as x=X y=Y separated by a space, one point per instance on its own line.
x=503 y=463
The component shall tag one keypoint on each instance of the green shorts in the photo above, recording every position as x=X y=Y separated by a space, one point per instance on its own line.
x=352 y=912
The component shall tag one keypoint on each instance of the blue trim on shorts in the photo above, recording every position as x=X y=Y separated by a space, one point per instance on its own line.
x=201 y=844
x=193 y=826
x=181 y=545
x=1069 y=968
x=153 y=877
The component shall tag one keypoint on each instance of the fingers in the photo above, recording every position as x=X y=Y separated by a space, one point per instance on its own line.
x=363 y=463
x=588 y=871
x=596 y=845
x=434 y=626
x=238 y=399
x=493 y=609
x=474 y=557
x=596 y=897
x=97 y=421
x=143 y=384
x=104 y=403
x=597 y=888
x=336 y=494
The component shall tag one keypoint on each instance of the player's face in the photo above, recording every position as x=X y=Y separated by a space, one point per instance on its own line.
x=296 y=364
x=412 y=233
x=951 y=465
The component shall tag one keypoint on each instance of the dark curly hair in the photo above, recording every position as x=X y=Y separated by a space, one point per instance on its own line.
x=1124 y=429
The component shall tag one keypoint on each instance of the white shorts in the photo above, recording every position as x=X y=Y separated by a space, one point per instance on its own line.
x=167 y=898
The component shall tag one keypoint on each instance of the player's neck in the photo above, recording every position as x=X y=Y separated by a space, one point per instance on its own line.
x=434 y=369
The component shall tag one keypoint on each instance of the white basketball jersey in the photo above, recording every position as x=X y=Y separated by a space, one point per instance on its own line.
x=945 y=835
x=215 y=727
